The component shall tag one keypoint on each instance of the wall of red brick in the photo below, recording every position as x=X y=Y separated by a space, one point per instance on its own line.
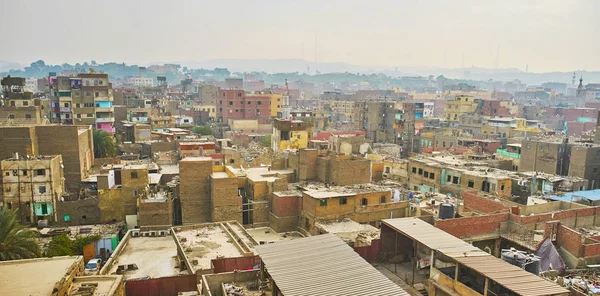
x=569 y=239
x=472 y=226
x=284 y=206
x=474 y=202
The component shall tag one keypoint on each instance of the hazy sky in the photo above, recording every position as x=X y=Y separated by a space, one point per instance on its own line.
x=547 y=35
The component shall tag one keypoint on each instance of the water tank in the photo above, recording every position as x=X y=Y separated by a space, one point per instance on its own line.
x=533 y=264
x=513 y=256
x=446 y=211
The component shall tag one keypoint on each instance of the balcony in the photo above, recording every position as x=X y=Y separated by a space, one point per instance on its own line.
x=105 y=119
x=105 y=109
x=65 y=109
x=505 y=153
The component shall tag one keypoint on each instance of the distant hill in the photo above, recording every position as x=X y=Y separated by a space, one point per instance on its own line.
x=6 y=66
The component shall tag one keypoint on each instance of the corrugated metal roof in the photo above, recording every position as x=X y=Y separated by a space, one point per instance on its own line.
x=323 y=265
x=501 y=272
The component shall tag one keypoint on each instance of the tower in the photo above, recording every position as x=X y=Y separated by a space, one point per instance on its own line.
x=580 y=90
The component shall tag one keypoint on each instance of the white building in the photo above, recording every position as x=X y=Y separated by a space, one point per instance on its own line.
x=31 y=84
x=140 y=81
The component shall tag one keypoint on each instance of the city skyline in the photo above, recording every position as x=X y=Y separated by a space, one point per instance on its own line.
x=542 y=36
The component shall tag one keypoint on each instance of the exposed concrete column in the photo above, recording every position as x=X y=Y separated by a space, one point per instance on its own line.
x=496 y=251
x=486 y=286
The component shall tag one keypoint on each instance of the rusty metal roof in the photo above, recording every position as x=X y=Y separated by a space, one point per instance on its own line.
x=323 y=265
x=511 y=277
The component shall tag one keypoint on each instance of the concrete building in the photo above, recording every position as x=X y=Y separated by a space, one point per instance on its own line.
x=33 y=185
x=363 y=203
x=18 y=107
x=86 y=99
x=462 y=104
x=290 y=134
x=377 y=118
x=139 y=81
x=61 y=276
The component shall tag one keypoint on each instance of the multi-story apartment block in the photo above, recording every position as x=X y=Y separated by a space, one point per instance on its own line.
x=234 y=104
x=462 y=104
x=33 y=185
x=86 y=99
x=140 y=81
x=18 y=105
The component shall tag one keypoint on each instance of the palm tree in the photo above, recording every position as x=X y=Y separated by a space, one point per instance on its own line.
x=16 y=242
x=104 y=144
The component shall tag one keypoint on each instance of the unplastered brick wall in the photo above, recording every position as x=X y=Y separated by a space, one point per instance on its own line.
x=474 y=202
x=472 y=226
x=570 y=240
x=571 y=218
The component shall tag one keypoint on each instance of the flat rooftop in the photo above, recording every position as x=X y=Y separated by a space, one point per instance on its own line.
x=259 y=174
x=34 y=276
x=204 y=243
x=321 y=190
x=154 y=256
x=105 y=285
x=268 y=235
x=349 y=230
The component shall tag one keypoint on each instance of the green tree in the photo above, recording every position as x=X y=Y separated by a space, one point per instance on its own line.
x=16 y=242
x=104 y=144
x=62 y=245
x=204 y=130
x=265 y=141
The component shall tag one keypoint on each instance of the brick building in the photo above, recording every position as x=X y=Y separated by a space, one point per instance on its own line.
x=74 y=143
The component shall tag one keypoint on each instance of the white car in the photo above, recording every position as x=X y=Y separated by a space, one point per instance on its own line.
x=93 y=265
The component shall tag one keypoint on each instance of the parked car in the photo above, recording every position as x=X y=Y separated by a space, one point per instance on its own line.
x=93 y=266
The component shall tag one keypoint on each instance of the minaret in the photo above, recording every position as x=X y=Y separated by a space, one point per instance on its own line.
x=573 y=79
x=580 y=90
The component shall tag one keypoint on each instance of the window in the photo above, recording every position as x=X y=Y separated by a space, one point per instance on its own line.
x=88 y=94
x=323 y=202
x=343 y=201
x=502 y=187
x=8 y=188
x=28 y=116
x=364 y=202
x=239 y=94
x=134 y=175
x=426 y=174
x=15 y=173
x=11 y=116
x=414 y=170
x=67 y=218
x=90 y=115
x=448 y=178
x=259 y=102
x=455 y=180
x=9 y=205
x=249 y=102
x=471 y=184
x=382 y=199
x=84 y=217
x=25 y=103
x=431 y=176
x=135 y=193
x=40 y=172
x=230 y=102
x=420 y=171
x=42 y=189
x=28 y=204
x=7 y=174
